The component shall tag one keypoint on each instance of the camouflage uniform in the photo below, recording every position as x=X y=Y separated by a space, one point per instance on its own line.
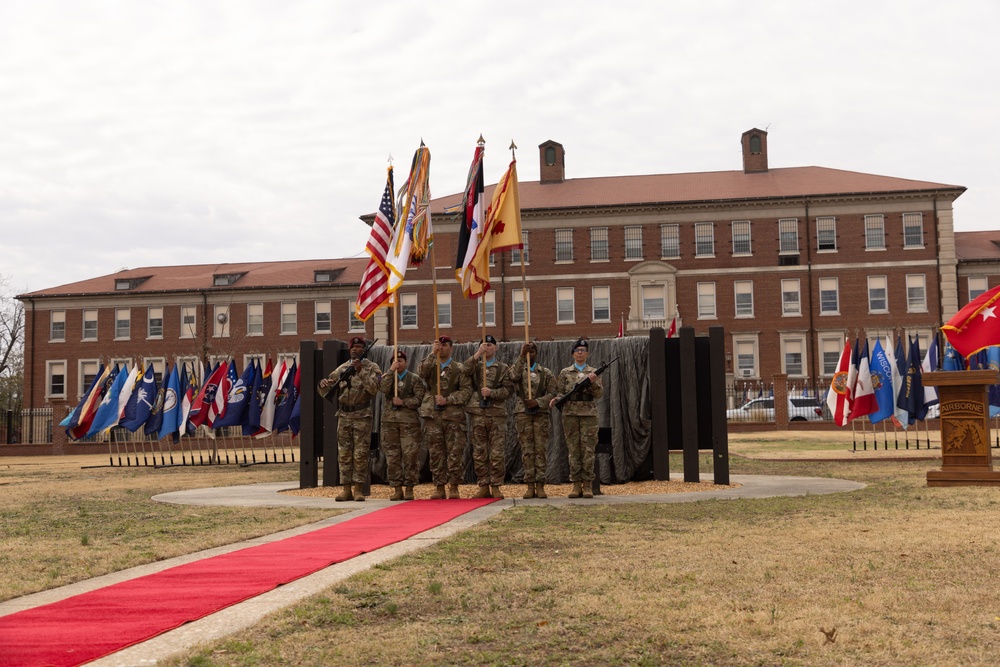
x=444 y=430
x=533 y=430
x=579 y=421
x=489 y=424
x=354 y=418
x=401 y=428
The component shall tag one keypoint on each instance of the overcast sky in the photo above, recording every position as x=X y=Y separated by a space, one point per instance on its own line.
x=137 y=133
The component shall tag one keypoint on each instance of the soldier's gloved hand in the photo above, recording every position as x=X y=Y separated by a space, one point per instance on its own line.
x=526 y=349
x=440 y=400
x=531 y=403
x=396 y=400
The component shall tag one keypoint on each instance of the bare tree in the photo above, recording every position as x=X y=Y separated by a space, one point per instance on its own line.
x=11 y=332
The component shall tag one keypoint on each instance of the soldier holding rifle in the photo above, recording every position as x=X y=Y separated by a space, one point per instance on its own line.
x=354 y=383
x=404 y=392
x=487 y=406
x=448 y=389
x=534 y=386
x=577 y=389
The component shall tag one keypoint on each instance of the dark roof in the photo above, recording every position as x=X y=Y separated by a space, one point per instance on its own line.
x=199 y=277
x=714 y=186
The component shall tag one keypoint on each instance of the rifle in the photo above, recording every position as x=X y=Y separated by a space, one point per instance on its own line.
x=486 y=402
x=350 y=370
x=583 y=384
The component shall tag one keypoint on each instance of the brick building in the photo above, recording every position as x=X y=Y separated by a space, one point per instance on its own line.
x=786 y=259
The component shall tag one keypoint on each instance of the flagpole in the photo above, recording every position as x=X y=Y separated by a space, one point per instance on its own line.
x=524 y=311
x=395 y=347
x=437 y=326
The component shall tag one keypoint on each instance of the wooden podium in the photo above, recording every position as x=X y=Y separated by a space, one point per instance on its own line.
x=966 y=459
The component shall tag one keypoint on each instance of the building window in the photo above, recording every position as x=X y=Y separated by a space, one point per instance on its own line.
x=977 y=285
x=826 y=234
x=220 y=328
x=706 y=301
x=743 y=290
x=188 y=327
x=599 y=244
x=831 y=349
x=741 y=238
x=489 y=300
x=788 y=236
x=324 y=319
x=88 y=372
x=408 y=311
x=90 y=325
x=154 y=322
x=565 y=313
x=829 y=296
x=704 y=239
x=55 y=380
x=745 y=351
x=517 y=306
x=289 y=318
x=916 y=293
x=564 y=245
x=791 y=301
x=877 y=295
x=601 y=304
x=255 y=319
x=670 y=241
x=913 y=230
x=633 y=242
x=57 y=326
x=653 y=304
x=444 y=309
x=123 y=323
x=875 y=232
x=354 y=324
x=515 y=254
x=792 y=356
x=158 y=364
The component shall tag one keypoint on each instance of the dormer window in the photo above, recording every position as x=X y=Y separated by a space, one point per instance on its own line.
x=326 y=275
x=226 y=279
x=550 y=155
x=122 y=284
x=755 y=144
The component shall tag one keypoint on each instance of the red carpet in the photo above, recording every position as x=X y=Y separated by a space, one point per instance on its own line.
x=91 y=625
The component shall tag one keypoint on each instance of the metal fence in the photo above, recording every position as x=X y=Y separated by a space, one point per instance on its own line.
x=18 y=427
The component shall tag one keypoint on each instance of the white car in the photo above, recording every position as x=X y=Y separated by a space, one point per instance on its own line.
x=800 y=408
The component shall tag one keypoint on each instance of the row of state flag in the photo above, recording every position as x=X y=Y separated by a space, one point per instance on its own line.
x=261 y=400
x=399 y=241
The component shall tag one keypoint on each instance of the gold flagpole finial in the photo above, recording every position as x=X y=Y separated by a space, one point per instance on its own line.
x=481 y=141
x=390 y=159
x=422 y=144
x=513 y=147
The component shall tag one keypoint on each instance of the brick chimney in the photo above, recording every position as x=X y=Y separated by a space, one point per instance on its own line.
x=551 y=162
x=754 y=151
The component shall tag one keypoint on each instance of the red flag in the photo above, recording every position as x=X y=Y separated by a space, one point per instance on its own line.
x=977 y=325
x=621 y=328
x=672 y=331
x=863 y=401
x=373 y=291
x=838 y=398
x=204 y=402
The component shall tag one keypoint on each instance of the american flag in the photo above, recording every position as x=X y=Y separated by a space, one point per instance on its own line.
x=374 y=292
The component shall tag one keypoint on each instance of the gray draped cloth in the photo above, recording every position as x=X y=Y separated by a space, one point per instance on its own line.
x=624 y=407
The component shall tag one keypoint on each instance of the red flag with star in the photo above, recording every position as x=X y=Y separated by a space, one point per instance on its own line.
x=977 y=325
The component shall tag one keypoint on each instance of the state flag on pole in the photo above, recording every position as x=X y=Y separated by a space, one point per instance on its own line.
x=672 y=331
x=412 y=236
x=930 y=363
x=882 y=384
x=864 y=402
x=838 y=398
x=140 y=403
x=899 y=417
x=171 y=405
x=977 y=325
x=203 y=406
x=473 y=217
x=374 y=289
x=73 y=420
x=501 y=231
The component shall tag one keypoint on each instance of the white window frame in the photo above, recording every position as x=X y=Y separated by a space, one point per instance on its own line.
x=489 y=298
x=565 y=295
x=744 y=289
x=598 y=293
x=408 y=313
x=649 y=297
x=322 y=310
x=788 y=236
x=123 y=315
x=982 y=283
x=704 y=239
x=289 y=318
x=913 y=221
x=220 y=326
x=354 y=324
x=791 y=286
x=834 y=347
x=90 y=315
x=633 y=243
x=159 y=367
x=741 y=229
x=875 y=232
x=82 y=366
x=151 y=316
x=832 y=285
x=826 y=223
x=916 y=281
x=741 y=345
x=788 y=342
x=255 y=319
x=670 y=239
x=600 y=248
x=517 y=297
x=50 y=367
x=707 y=301
x=444 y=309
x=57 y=326
x=876 y=283
x=189 y=330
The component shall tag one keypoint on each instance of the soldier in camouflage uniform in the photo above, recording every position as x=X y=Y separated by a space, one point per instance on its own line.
x=487 y=406
x=401 y=427
x=579 y=419
x=531 y=416
x=444 y=416
x=354 y=383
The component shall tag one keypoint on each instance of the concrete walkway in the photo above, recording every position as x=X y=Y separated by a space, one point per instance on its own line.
x=245 y=614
